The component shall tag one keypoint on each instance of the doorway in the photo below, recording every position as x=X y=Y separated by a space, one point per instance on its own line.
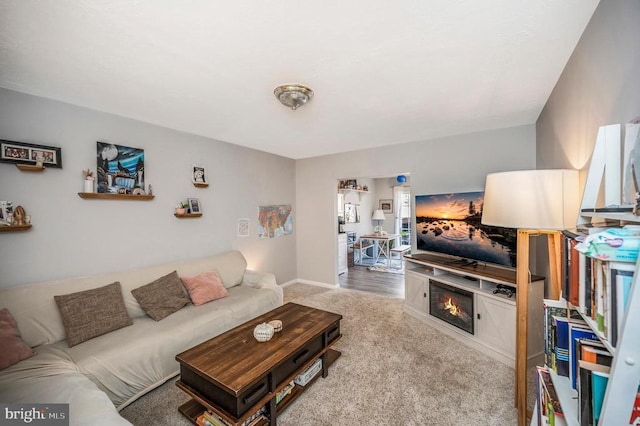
x=363 y=263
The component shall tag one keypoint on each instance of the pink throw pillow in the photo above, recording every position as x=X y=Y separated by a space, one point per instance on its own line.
x=14 y=349
x=205 y=287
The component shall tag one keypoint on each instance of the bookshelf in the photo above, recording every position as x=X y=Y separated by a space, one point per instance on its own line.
x=604 y=183
x=625 y=370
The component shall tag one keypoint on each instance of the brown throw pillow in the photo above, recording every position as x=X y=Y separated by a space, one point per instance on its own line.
x=14 y=349
x=161 y=297
x=92 y=313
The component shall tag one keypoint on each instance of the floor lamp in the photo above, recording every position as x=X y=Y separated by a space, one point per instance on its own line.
x=536 y=202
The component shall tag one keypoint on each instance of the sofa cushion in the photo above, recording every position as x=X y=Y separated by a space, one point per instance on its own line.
x=205 y=287
x=14 y=349
x=91 y=313
x=161 y=297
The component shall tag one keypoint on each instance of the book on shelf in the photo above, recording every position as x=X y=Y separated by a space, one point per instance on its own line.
x=577 y=334
x=621 y=281
x=599 y=380
x=552 y=308
x=549 y=408
x=586 y=391
x=635 y=412
x=562 y=340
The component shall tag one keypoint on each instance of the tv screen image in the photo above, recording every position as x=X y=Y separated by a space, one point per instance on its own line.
x=451 y=224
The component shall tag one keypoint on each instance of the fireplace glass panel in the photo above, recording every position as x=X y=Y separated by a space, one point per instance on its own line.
x=451 y=305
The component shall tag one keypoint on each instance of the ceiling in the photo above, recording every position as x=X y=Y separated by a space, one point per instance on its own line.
x=383 y=72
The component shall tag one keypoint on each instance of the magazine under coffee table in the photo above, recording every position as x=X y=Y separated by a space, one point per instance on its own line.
x=235 y=376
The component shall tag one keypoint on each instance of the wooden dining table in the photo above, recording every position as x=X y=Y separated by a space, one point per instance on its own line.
x=382 y=245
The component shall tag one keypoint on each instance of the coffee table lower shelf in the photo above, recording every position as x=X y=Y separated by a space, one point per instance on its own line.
x=193 y=408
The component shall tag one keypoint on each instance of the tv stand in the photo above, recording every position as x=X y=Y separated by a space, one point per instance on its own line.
x=495 y=312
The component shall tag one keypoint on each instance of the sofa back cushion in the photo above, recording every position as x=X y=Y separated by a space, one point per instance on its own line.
x=38 y=318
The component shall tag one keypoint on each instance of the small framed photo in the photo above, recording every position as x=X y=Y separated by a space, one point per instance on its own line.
x=194 y=205
x=386 y=206
x=27 y=153
x=199 y=175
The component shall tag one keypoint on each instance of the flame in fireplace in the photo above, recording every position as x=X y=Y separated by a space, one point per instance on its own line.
x=452 y=307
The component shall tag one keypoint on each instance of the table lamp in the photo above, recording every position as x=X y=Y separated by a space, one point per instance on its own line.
x=378 y=216
x=536 y=202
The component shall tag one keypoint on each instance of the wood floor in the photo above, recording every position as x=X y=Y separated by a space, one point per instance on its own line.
x=384 y=283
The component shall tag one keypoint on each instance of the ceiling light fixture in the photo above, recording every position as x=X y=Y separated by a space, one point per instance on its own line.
x=293 y=95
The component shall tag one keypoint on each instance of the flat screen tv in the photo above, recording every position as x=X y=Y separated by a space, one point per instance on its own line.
x=450 y=224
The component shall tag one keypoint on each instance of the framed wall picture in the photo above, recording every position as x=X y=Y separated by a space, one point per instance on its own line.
x=120 y=169
x=199 y=175
x=386 y=206
x=351 y=213
x=28 y=153
x=194 y=205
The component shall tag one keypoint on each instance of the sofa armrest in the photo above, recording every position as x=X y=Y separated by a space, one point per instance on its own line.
x=257 y=279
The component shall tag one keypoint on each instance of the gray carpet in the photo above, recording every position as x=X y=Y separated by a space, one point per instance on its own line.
x=394 y=370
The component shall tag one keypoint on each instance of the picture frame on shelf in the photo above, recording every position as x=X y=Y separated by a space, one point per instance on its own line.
x=386 y=206
x=31 y=154
x=194 y=205
x=198 y=175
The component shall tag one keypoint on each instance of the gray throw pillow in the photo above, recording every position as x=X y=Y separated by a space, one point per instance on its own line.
x=161 y=297
x=92 y=313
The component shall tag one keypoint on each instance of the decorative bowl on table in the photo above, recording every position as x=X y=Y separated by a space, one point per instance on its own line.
x=263 y=332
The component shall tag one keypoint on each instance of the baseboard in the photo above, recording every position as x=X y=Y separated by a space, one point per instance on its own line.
x=316 y=283
x=288 y=283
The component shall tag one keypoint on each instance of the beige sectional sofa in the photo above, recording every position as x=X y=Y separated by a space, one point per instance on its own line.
x=103 y=375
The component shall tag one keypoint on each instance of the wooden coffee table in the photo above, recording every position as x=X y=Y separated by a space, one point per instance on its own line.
x=234 y=375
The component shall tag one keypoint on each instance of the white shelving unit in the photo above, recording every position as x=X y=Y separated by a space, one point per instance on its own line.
x=604 y=179
x=624 y=378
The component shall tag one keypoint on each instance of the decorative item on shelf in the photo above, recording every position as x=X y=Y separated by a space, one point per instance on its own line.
x=182 y=208
x=537 y=202
x=19 y=217
x=35 y=156
x=378 y=217
x=293 y=95
x=6 y=212
x=149 y=190
x=198 y=177
x=401 y=179
x=276 y=324
x=263 y=332
x=365 y=188
x=193 y=204
x=89 y=179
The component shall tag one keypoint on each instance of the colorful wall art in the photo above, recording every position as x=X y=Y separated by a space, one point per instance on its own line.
x=274 y=221
x=120 y=169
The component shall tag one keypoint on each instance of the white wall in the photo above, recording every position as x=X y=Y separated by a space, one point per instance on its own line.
x=72 y=236
x=455 y=164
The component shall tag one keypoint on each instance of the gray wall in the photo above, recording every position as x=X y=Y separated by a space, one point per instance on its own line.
x=599 y=86
x=455 y=164
x=72 y=236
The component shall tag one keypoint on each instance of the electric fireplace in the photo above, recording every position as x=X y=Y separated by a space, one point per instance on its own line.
x=451 y=305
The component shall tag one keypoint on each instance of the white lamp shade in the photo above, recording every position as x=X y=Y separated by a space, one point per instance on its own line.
x=532 y=199
x=377 y=215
